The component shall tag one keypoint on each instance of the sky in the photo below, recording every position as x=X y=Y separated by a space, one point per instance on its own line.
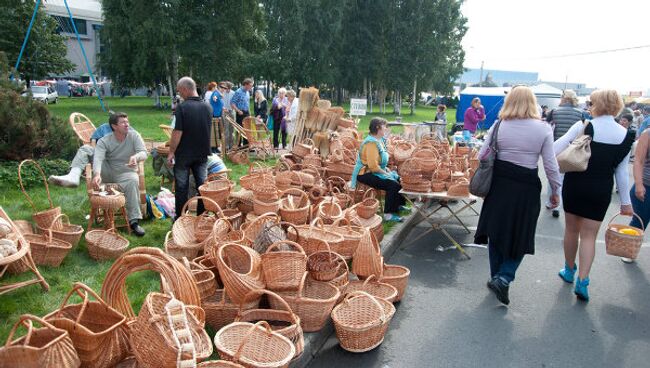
x=528 y=35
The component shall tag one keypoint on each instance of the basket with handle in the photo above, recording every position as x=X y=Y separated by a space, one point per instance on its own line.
x=253 y=230
x=47 y=346
x=221 y=311
x=620 y=244
x=47 y=250
x=105 y=244
x=303 y=148
x=177 y=251
x=205 y=279
x=329 y=211
x=41 y=218
x=312 y=302
x=323 y=265
x=265 y=189
x=361 y=321
x=369 y=205
x=342 y=278
x=254 y=345
x=239 y=269
x=375 y=288
x=99 y=333
x=294 y=206
x=185 y=241
x=312 y=236
x=283 y=268
x=219 y=364
x=282 y=321
x=398 y=277
x=218 y=191
x=254 y=176
x=351 y=237
x=65 y=230
x=152 y=339
x=367 y=259
x=261 y=206
x=234 y=216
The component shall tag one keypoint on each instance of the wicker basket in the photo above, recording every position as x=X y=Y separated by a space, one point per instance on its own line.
x=64 y=230
x=177 y=251
x=282 y=321
x=99 y=333
x=295 y=211
x=261 y=207
x=152 y=338
x=109 y=202
x=221 y=311
x=239 y=268
x=438 y=186
x=218 y=191
x=311 y=237
x=40 y=347
x=369 y=205
x=361 y=321
x=41 y=218
x=253 y=229
x=375 y=288
x=398 y=277
x=283 y=269
x=304 y=148
x=219 y=364
x=254 y=345
x=105 y=244
x=329 y=211
x=351 y=237
x=205 y=280
x=367 y=259
x=46 y=250
x=238 y=157
x=323 y=265
x=312 y=302
x=623 y=245
x=234 y=216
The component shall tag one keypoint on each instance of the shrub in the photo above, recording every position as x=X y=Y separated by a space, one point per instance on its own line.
x=27 y=129
x=30 y=175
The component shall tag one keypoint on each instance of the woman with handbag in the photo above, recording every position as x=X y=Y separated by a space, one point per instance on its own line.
x=586 y=194
x=278 y=106
x=508 y=218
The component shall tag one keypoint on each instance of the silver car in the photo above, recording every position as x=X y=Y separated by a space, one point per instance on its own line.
x=44 y=94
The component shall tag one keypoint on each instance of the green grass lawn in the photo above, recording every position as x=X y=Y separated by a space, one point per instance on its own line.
x=78 y=266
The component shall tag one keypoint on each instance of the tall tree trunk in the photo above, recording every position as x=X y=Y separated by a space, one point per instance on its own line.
x=370 y=88
x=414 y=98
x=169 y=84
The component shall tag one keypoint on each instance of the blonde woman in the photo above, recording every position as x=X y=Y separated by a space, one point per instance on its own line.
x=586 y=195
x=508 y=219
x=261 y=108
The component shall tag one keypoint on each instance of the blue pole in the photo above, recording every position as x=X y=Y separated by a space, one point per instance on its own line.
x=83 y=52
x=29 y=30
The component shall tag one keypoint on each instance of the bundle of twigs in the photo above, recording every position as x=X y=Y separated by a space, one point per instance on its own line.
x=308 y=97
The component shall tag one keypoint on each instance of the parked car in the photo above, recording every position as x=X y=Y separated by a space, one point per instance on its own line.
x=44 y=94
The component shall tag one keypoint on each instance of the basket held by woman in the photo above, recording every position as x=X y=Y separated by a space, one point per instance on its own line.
x=361 y=321
x=623 y=240
x=105 y=244
x=99 y=333
x=254 y=345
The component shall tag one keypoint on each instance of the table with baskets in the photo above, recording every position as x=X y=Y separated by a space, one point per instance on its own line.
x=428 y=204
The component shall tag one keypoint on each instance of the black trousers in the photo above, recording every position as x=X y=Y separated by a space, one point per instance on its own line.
x=240 y=121
x=277 y=133
x=393 y=199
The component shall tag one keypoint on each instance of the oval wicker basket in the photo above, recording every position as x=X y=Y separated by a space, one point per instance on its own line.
x=105 y=244
x=294 y=206
x=218 y=191
x=46 y=250
x=329 y=211
x=361 y=321
x=254 y=345
x=351 y=237
x=623 y=245
x=398 y=277
x=221 y=311
x=282 y=269
x=375 y=288
x=65 y=230
x=310 y=237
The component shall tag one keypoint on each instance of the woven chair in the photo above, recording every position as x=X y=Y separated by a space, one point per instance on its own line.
x=258 y=136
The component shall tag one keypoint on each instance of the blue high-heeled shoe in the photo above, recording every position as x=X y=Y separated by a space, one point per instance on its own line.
x=581 y=289
x=568 y=274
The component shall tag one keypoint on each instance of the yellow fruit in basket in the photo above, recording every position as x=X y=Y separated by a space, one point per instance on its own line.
x=628 y=231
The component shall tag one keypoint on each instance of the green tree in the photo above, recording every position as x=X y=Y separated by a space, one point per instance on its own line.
x=45 y=52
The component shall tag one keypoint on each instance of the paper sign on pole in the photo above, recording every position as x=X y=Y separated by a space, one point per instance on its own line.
x=358 y=106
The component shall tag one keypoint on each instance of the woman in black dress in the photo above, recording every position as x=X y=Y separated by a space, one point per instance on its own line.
x=261 y=109
x=586 y=195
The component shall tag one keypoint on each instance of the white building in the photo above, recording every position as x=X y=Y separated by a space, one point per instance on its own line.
x=88 y=18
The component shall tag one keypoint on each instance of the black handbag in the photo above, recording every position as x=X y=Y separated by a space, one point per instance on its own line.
x=482 y=179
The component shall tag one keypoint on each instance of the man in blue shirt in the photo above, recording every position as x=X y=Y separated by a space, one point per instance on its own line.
x=83 y=157
x=240 y=102
x=216 y=101
x=646 y=121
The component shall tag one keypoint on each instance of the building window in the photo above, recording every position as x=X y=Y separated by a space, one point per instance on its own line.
x=65 y=26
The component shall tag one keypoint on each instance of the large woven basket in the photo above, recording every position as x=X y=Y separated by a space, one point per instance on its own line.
x=398 y=277
x=294 y=206
x=367 y=259
x=254 y=345
x=361 y=321
x=218 y=191
x=282 y=321
x=39 y=348
x=152 y=339
x=105 y=244
x=283 y=269
x=42 y=218
x=99 y=333
x=312 y=236
x=375 y=288
x=240 y=271
x=312 y=302
x=623 y=245
x=351 y=237
x=46 y=250
x=65 y=230
x=221 y=311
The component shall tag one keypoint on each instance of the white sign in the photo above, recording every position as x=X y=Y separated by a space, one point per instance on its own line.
x=358 y=106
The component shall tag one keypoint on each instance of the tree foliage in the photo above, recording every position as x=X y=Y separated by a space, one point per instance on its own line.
x=45 y=52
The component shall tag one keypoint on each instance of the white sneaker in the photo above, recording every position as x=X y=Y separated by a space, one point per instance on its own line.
x=66 y=181
x=627 y=260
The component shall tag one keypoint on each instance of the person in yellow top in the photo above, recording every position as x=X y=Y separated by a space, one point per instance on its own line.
x=372 y=169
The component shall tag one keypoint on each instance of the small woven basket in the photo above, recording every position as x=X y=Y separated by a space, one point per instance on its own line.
x=294 y=206
x=361 y=321
x=218 y=191
x=398 y=277
x=375 y=288
x=65 y=230
x=283 y=269
x=623 y=245
x=254 y=345
x=323 y=265
x=369 y=205
x=46 y=250
x=105 y=244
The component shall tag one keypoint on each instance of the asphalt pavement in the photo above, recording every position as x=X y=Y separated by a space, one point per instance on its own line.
x=449 y=318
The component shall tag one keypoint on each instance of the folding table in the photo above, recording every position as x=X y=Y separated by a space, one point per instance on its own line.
x=423 y=203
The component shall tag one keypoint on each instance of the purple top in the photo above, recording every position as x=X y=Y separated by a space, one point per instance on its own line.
x=522 y=142
x=472 y=118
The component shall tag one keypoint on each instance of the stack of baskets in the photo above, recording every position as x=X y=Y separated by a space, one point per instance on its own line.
x=105 y=244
